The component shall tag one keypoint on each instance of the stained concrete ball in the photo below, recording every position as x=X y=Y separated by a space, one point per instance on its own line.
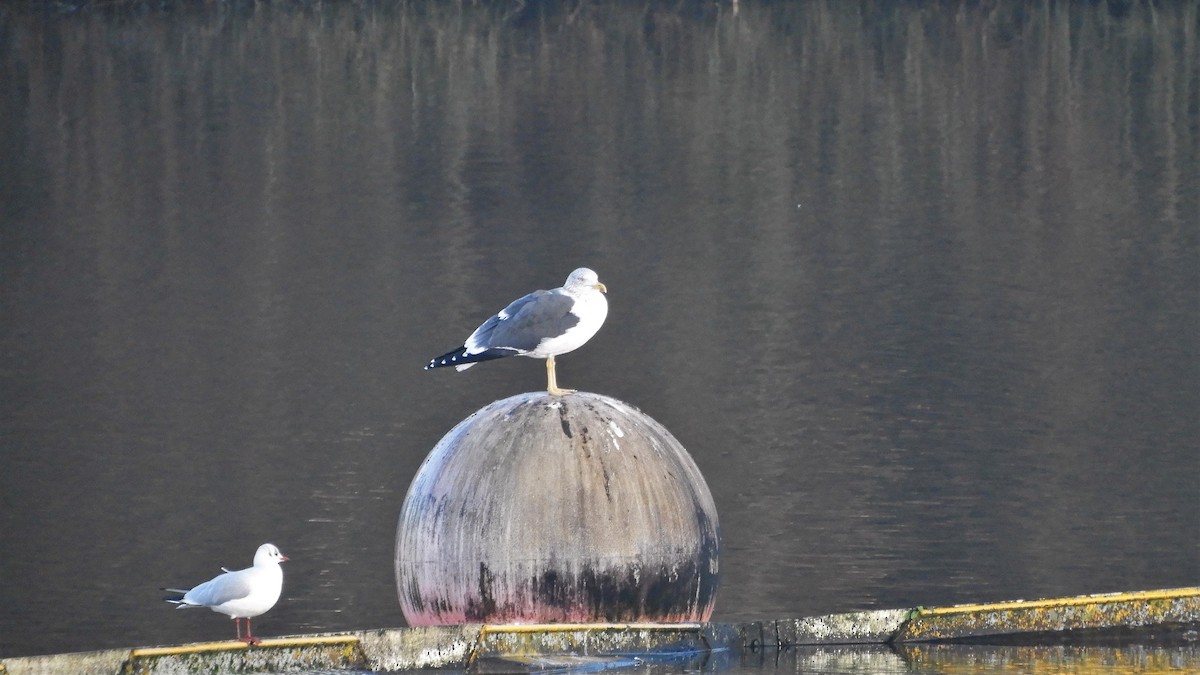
x=542 y=509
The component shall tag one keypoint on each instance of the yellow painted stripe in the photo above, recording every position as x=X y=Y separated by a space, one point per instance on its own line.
x=232 y=645
x=564 y=627
x=189 y=649
x=309 y=641
x=1108 y=598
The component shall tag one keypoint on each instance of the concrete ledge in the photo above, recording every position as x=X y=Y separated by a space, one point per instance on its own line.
x=419 y=647
x=1148 y=615
x=105 y=662
x=874 y=627
x=1170 y=607
x=397 y=649
x=592 y=639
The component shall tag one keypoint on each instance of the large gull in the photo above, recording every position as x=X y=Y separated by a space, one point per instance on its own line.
x=540 y=325
x=241 y=594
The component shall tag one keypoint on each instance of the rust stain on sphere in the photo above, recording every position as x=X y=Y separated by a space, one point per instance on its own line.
x=542 y=508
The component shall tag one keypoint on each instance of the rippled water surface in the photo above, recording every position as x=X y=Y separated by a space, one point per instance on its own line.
x=917 y=286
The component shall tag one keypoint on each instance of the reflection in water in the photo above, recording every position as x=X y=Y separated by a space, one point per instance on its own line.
x=827 y=659
x=1063 y=659
x=915 y=286
x=972 y=660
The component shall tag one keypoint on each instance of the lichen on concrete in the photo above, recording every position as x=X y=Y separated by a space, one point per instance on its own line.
x=867 y=627
x=1060 y=615
x=419 y=647
x=104 y=662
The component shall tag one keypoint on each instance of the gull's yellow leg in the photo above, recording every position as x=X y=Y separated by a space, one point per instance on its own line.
x=552 y=381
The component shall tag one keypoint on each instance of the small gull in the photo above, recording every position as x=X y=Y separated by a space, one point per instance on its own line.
x=241 y=594
x=540 y=325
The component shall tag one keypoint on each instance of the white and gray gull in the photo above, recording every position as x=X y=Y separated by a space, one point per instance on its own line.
x=241 y=594
x=540 y=325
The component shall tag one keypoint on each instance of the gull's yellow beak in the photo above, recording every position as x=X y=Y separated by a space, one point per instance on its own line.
x=601 y=287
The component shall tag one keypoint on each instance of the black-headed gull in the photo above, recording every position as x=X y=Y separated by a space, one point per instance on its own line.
x=540 y=325
x=241 y=594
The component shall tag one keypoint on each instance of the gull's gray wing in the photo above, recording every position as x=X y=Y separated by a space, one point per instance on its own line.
x=220 y=590
x=525 y=322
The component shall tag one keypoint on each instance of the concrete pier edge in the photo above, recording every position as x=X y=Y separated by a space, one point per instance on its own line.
x=465 y=646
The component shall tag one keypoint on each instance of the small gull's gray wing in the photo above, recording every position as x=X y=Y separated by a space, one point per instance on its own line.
x=220 y=590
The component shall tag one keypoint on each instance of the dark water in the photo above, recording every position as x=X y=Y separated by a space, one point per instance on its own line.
x=917 y=286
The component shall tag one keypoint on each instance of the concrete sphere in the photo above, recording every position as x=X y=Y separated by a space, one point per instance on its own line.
x=541 y=509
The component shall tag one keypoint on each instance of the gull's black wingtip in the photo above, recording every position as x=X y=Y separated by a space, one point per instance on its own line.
x=455 y=357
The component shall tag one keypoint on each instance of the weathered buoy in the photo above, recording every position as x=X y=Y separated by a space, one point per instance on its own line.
x=541 y=509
